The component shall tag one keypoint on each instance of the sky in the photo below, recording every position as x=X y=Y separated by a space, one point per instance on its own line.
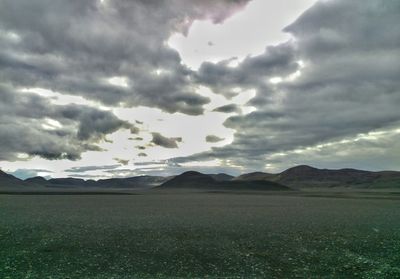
x=116 y=88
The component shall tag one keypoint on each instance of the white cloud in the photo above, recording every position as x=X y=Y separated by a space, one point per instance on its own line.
x=246 y=33
x=119 y=81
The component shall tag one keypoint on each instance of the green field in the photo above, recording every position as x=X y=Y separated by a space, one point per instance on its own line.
x=200 y=235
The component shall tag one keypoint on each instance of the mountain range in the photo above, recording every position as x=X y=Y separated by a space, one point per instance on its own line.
x=197 y=180
x=298 y=177
x=309 y=177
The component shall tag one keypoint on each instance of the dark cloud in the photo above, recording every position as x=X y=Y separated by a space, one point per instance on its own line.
x=170 y=167
x=85 y=176
x=228 y=108
x=349 y=85
x=212 y=138
x=137 y=138
x=176 y=170
x=156 y=164
x=73 y=46
x=122 y=161
x=91 y=168
x=160 y=140
x=375 y=152
x=253 y=72
x=32 y=125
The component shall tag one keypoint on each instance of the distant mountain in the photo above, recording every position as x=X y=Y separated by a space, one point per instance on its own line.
x=38 y=180
x=255 y=176
x=65 y=182
x=145 y=181
x=7 y=180
x=131 y=182
x=305 y=176
x=198 y=181
x=296 y=178
x=189 y=179
x=222 y=176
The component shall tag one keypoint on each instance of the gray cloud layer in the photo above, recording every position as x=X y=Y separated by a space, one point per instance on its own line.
x=26 y=127
x=160 y=140
x=349 y=86
x=213 y=138
x=73 y=46
x=91 y=168
x=228 y=108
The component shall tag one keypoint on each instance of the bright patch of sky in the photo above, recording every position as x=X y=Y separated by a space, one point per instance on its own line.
x=246 y=33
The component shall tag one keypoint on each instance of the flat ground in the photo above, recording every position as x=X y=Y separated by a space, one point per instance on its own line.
x=205 y=235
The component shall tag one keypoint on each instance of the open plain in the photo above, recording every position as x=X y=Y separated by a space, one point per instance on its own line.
x=178 y=234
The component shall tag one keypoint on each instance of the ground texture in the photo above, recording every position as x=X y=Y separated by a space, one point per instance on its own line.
x=199 y=235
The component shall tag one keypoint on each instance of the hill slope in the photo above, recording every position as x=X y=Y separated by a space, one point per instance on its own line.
x=222 y=176
x=136 y=182
x=199 y=181
x=306 y=176
x=253 y=176
x=37 y=180
x=9 y=181
x=142 y=182
x=295 y=178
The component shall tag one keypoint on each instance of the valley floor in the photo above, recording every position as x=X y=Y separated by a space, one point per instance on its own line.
x=200 y=235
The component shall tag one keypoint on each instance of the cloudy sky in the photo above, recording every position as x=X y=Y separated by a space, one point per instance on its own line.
x=114 y=88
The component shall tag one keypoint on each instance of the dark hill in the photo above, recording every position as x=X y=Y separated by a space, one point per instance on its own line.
x=130 y=182
x=65 y=182
x=36 y=180
x=305 y=176
x=7 y=180
x=254 y=186
x=296 y=177
x=256 y=176
x=144 y=181
x=190 y=179
x=199 y=181
x=222 y=177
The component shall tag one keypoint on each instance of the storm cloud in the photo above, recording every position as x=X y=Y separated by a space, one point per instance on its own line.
x=108 y=52
x=228 y=108
x=75 y=47
x=338 y=78
x=328 y=97
x=162 y=141
x=213 y=138
x=32 y=125
x=91 y=168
